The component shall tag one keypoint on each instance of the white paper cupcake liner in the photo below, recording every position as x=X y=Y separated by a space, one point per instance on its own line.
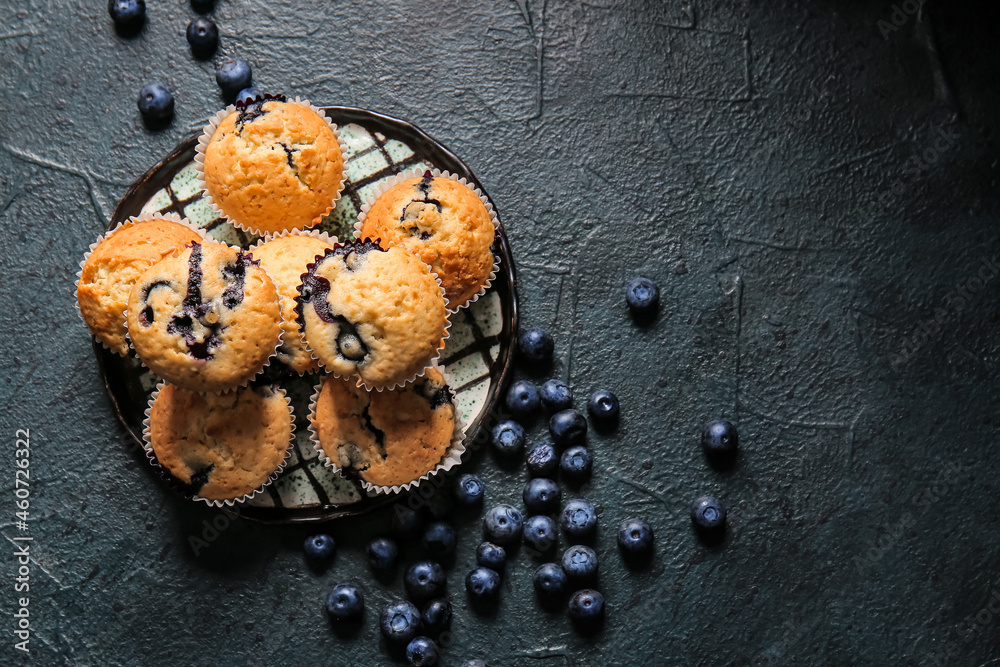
x=388 y=183
x=172 y=217
x=168 y=477
x=209 y=131
x=452 y=457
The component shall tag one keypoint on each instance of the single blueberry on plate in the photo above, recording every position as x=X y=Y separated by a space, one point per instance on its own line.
x=603 y=406
x=642 y=296
x=382 y=554
x=482 y=584
x=319 y=548
x=708 y=513
x=233 y=75
x=720 y=438
x=155 y=102
x=522 y=399
x=580 y=563
x=469 y=490
x=578 y=519
x=436 y=616
x=535 y=346
x=345 y=603
x=492 y=556
x=407 y=524
x=567 y=427
x=586 y=607
x=439 y=539
x=541 y=496
x=203 y=36
x=248 y=95
x=543 y=461
x=540 y=533
x=576 y=463
x=550 y=580
x=422 y=652
x=508 y=438
x=424 y=579
x=127 y=13
x=502 y=525
x=635 y=537
x=399 y=622
x=556 y=395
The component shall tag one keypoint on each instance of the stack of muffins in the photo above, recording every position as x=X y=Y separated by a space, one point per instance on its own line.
x=372 y=313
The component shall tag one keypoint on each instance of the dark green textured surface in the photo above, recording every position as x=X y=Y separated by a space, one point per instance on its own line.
x=756 y=159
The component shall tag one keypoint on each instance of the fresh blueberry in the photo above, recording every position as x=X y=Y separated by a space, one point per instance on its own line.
x=436 y=616
x=642 y=296
x=127 y=13
x=556 y=395
x=248 y=95
x=576 y=463
x=382 y=554
x=422 y=652
x=720 y=438
x=550 y=580
x=407 y=524
x=567 y=427
x=541 y=496
x=155 y=102
x=202 y=6
x=469 y=490
x=603 y=406
x=345 y=603
x=586 y=607
x=635 y=537
x=319 y=548
x=483 y=584
x=543 y=461
x=508 y=439
x=579 y=519
x=492 y=556
x=536 y=346
x=540 y=533
x=522 y=399
x=233 y=76
x=202 y=36
x=424 y=579
x=439 y=539
x=502 y=525
x=708 y=513
x=399 y=622
x=580 y=563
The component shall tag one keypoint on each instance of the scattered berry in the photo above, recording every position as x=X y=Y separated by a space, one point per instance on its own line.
x=556 y=395
x=708 y=513
x=567 y=427
x=202 y=36
x=541 y=496
x=407 y=524
x=422 y=652
x=399 y=622
x=508 y=438
x=522 y=399
x=502 y=525
x=203 y=6
x=603 y=406
x=319 y=548
x=580 y=564
x=233 y=75
x=550 y=580
x=439 y=539
x=540 y=533
x=382 y=554
x=127 y=13
x=492 y=556
x=586 y=607
x=635 y=537
x=436 y=616
x=543 y=461
x=642 y=296
x=536 y=346
x=720 y=438
x=424 y=579
x=248 y=95
x=579 y=519
x=155 y=102
x=483 y=584
x=576 y=463
x=345 y=603
x=469 y=490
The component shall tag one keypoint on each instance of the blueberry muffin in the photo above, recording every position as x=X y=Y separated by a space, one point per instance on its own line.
x=372 y=312
x=205 y=318
x=272 y=165
x=220 y=446
x=445 y=224
x=387 y=438
x=285 y=259
x=114 y=265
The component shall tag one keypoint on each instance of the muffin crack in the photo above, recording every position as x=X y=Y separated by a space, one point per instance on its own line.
x=249 y=114
x=289 y=153
x=376 y=432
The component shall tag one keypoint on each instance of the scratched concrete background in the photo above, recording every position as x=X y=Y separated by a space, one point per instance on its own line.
x=814 y=187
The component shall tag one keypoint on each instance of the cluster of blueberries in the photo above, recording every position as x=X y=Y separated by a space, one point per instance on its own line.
x=156 y=102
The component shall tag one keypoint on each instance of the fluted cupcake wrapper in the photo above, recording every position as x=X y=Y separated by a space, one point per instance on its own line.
x=175 y=484
x=452 y=457
x=209 y=131
x=388 y=183
x=172 y=217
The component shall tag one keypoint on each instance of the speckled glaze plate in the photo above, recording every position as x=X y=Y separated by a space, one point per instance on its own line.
x=475 y=361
